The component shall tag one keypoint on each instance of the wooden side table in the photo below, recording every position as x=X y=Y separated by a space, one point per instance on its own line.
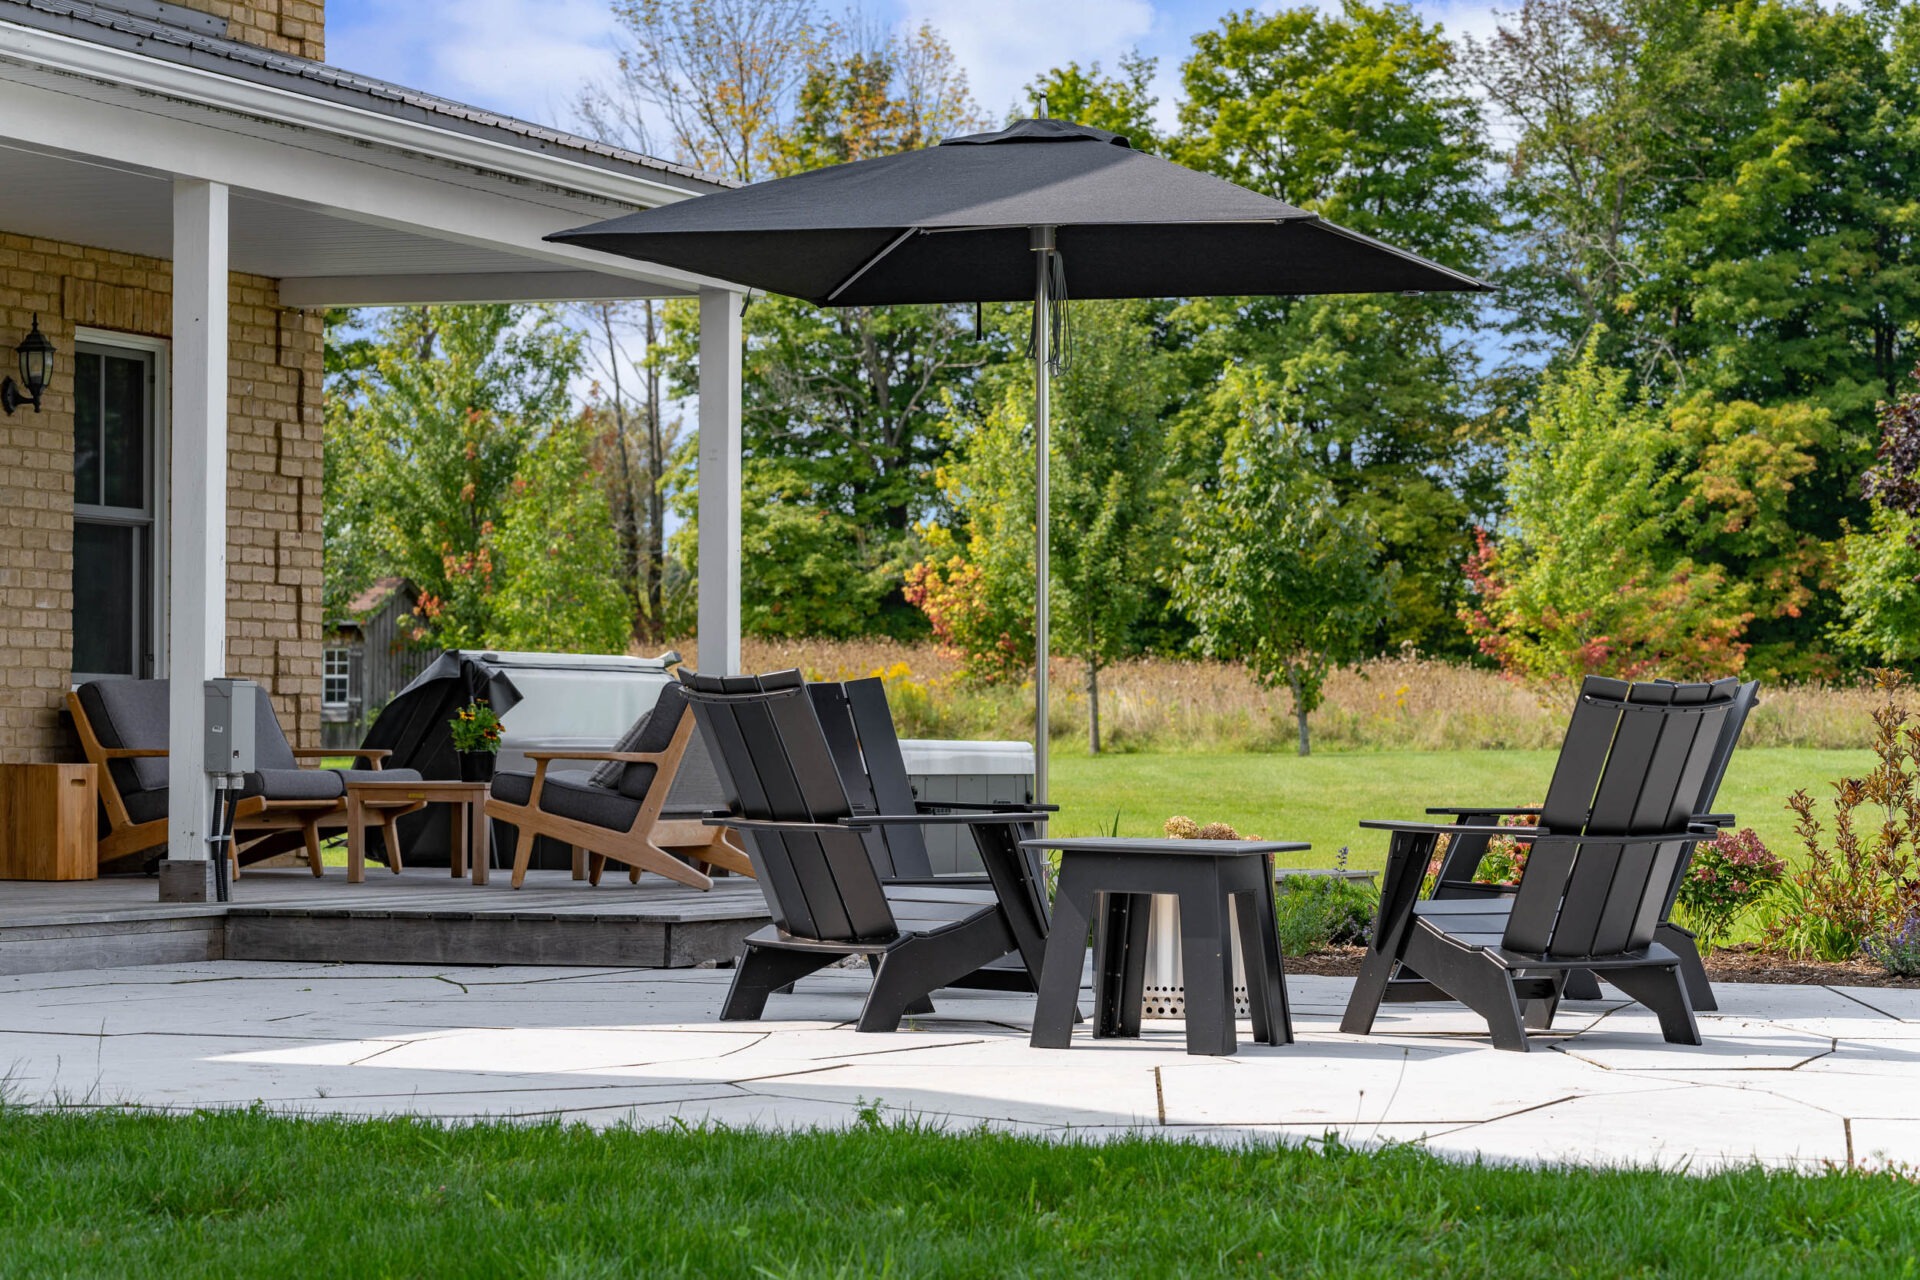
x=466 y=818
x=1210 y=878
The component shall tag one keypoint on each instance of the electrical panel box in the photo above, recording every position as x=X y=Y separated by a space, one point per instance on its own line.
x=230 y=721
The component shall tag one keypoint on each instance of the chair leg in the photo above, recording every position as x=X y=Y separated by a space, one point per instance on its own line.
x=1476 y=980
x=311 y=833
x=1692 y=970
x=522 y=855
x=1537 y=1014
x=1369 y=989
x=579 y=861
x=596 y=863
x=1662 y=990
x=761 y=971
x=915 y=1008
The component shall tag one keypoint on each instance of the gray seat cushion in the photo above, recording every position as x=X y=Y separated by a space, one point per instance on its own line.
x=570 y=795
x=296 y=784
x=377 y=775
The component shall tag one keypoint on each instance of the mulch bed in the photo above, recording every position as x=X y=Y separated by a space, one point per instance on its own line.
x=1728 y=964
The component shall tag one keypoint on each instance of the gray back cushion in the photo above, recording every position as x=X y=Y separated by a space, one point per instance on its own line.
x=696 y=788
x=133 y=714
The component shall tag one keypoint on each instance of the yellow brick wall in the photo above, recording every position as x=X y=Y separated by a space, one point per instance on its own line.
x=273 y=485
x=285 y=26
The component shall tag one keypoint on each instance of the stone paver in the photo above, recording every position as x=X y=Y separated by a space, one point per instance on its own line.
x=1790 y=1076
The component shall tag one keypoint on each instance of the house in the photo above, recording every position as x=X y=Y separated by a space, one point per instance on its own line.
x=188 y=185
x=366 y=657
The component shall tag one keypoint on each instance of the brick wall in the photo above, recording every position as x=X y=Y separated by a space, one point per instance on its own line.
x=273 y=485
x=285 y=26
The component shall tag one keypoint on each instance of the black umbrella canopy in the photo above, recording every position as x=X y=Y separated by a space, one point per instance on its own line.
x=950 y=224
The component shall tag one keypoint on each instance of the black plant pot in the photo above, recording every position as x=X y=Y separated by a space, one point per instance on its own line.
x=476 y=766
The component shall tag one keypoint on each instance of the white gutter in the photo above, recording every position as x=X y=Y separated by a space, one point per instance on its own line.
x=29 y=47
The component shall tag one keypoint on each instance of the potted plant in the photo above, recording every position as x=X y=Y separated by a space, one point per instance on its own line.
x=476 y=736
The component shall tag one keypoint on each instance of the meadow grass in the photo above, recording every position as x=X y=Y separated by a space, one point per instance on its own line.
x=247 y=1194
x=1322 y=798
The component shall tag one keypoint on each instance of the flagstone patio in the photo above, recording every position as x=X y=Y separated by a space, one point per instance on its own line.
x=1789 y=1076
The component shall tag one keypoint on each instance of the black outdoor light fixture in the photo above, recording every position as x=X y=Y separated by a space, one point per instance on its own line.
x=36 y=369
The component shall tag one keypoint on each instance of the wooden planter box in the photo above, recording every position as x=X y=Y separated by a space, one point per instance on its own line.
x=48 y=817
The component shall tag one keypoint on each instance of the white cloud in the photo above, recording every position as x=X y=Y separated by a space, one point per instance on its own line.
x=527 y=58
x=1003 y=44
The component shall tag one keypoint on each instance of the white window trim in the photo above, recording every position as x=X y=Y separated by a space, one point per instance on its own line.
x=345 y=676
x=162 y=351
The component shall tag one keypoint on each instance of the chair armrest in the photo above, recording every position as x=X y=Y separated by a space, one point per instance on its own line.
x=1451 y=829
x=764 y=824
x=129 y=753
x=1723 y=820
x=984 y=806
x=995 y=819
x=621 y=757
x=1504 y=810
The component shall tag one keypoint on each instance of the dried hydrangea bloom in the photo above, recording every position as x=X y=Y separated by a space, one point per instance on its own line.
x=1218 y=831
x=1181 y=827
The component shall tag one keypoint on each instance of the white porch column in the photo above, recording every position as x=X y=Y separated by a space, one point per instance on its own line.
x=197 y=593
x=720 y=351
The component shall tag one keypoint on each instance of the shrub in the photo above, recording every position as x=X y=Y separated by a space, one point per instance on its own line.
x=1322 y=911
x=1729 y=875
x=1898 y=950
x=1861 y=884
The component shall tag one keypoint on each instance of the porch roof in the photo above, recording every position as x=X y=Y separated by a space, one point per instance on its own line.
x=348 y=190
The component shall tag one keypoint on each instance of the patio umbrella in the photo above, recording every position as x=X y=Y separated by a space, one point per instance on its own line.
x=1033 y=211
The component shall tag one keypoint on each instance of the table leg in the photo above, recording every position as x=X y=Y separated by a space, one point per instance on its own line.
x=1059 y=986
x=480 y=843
x=1207 y=963
x=1260 y=954
x=1120 y=942
x=356 y=840
x=458 y=829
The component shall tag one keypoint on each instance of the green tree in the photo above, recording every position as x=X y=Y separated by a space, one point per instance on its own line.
x=556 y=553
x=450 y=405
x=1121 y=103
x=1585 y=576
x=1275 y=572
x=1880 y=567
x=1362 y=116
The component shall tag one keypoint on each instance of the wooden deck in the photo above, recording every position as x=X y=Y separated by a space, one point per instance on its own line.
x=421 y=917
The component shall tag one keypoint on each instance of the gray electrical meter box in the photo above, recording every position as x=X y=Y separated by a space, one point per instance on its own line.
x=230 y=721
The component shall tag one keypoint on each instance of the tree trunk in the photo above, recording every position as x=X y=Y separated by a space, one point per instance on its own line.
x=1093 y=707
x=656 y=480
x=1299 y=713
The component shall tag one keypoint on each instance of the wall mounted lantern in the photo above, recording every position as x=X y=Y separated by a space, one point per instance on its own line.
x=36 y=370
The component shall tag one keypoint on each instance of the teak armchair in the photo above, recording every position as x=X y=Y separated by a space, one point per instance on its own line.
x=122 y=727
x=616 y=814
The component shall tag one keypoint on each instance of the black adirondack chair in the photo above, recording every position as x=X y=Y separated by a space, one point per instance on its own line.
x=1464 y=852
x=860 y=732
x=1617 y=820
x=812 y=860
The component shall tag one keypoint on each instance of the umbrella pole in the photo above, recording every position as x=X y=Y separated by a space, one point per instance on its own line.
x=1042 y=244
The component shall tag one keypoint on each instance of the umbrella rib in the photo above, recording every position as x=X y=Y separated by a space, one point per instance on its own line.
x=869 y=264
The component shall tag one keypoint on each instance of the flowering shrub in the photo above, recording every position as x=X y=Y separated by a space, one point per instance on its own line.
x=1729 y=875
x=1862 y=884
x=476 y=728
x=1898 y=950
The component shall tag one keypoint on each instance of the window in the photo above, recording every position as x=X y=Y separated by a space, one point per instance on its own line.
x=115 y=538
x=336 y=677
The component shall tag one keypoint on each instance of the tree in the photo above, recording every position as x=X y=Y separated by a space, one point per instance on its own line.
x=556 y=553
x=844 y=412
x=1880 y=566
x=1359 y=115
x=1122 y=103
x=720 y=73
x=1274 y=571
x=1585 y=576
x=440 y=422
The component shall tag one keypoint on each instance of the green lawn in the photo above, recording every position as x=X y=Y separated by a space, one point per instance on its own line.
x=243 y=1194
x=1321 y=798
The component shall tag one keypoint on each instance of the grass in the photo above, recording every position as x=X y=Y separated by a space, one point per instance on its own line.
x=1321 y=798
x=245 y=1194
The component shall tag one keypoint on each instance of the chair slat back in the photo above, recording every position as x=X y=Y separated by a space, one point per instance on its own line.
x=778 y=766
x=886 y=770
x=1634 y=763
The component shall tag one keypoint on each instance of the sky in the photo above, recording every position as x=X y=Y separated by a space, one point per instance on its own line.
x=528 y=58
